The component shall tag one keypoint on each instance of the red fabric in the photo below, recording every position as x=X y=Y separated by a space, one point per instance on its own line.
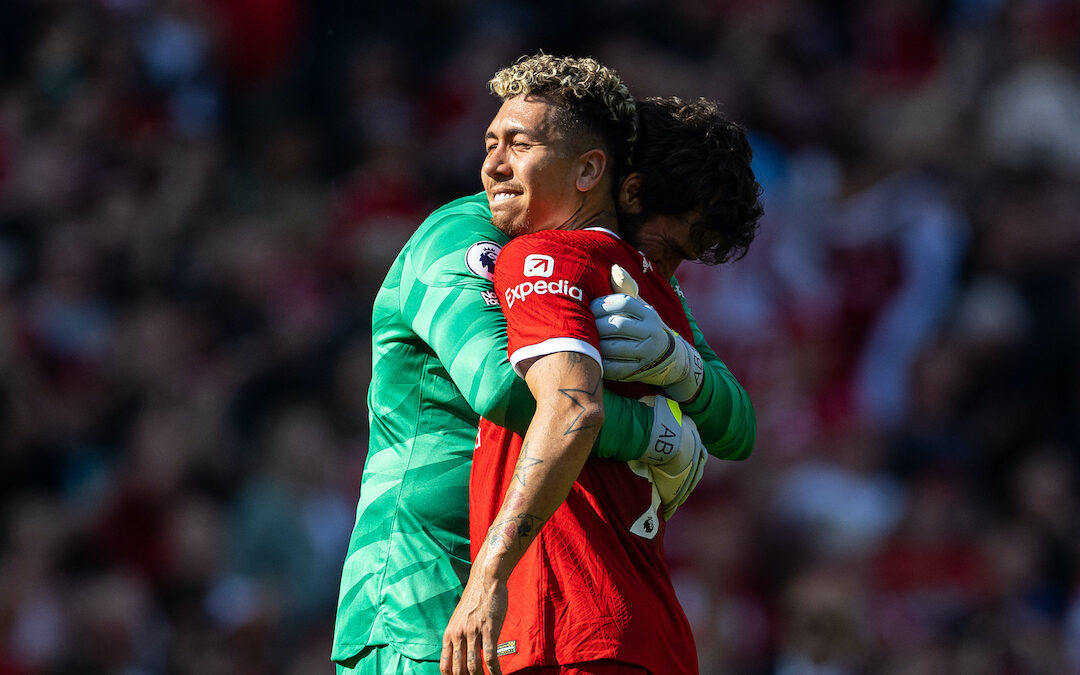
x=587 y=589
x=594 y=668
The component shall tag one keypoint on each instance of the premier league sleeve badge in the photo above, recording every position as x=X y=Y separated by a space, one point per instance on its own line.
x=480 y=259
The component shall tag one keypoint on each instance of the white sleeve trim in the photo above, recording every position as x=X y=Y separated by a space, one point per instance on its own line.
x=553 y=346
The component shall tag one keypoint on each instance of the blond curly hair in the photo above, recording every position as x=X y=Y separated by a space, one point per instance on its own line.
x=592 y=95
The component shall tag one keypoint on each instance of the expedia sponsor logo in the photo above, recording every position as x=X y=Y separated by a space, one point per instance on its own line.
x=541 y=287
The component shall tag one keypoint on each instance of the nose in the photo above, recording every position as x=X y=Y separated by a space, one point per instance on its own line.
x=495 y=164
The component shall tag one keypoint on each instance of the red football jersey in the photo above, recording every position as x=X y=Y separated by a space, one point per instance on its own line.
x=594 y=584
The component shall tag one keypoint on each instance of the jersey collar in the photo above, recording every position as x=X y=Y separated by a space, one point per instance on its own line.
x=604 y=229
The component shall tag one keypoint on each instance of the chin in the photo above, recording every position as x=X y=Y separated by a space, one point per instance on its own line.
x=507 y=225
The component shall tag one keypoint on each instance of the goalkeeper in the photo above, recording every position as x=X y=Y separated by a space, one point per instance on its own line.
x=439 y=359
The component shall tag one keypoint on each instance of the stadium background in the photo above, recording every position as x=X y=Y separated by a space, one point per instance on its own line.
x=198 y=200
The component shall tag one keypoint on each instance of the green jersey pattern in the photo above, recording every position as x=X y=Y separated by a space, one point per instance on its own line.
x=438 y=359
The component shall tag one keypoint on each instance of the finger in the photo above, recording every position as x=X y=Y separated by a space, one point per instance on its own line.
x=473 y=660
x=619 y=303
x=476 y=654
x=699 y=472
x=622 y=282
x=625 y=327
x=490 y=656
x=460 y=665
x=615 y=304
x=446 y=659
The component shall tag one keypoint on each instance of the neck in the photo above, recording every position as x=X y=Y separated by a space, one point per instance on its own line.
x=605 y=219
x=660 y=255
x=592 y=212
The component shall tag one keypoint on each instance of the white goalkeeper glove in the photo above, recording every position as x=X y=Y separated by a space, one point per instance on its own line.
x=676 y=456
x=637 y=346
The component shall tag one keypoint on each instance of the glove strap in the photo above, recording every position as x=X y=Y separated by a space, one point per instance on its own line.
x=663 y=357
x=687 y=389
x=666 y=433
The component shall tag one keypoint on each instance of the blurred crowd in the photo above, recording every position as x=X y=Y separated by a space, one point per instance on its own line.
x=199 y=198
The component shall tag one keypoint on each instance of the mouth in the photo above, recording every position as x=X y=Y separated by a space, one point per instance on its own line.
x=502 y=195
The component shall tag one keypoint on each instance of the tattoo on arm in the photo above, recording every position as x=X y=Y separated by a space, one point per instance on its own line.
x=576 y=395
x=515 y=531
x=524 y=463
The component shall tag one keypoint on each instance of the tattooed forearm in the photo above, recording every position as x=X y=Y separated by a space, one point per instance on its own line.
x=576 y=396
x=581 y=399
x=524 y=463
x=514 y=532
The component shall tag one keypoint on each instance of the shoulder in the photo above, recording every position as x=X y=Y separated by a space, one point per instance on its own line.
x=576 y=257
x=457 y=238
x=585 y=242
x=460 y=222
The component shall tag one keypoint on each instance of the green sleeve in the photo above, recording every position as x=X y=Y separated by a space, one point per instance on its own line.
x=722 y=411
x=626 y=430
x=454 y=311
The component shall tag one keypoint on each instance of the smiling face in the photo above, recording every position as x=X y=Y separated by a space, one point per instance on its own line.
x=531 y=172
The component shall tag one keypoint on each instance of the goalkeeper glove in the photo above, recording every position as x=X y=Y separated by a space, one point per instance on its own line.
x=637 y=346
x=676 y=456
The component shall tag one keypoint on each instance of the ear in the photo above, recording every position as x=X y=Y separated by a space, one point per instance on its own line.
x=591 y=166
x=630 y=194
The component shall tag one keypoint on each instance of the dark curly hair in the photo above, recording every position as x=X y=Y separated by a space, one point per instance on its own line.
x=690 y=157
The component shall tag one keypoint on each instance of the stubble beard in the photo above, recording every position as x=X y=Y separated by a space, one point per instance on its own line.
x=510 y=226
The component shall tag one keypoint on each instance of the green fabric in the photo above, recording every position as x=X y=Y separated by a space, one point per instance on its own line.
x=386 y=661
x=722 y=411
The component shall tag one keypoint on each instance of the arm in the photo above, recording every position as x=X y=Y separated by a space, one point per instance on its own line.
x=469 y=338
x=637 y=345
x=569 y=412
x=451 y=307
x=722 y=410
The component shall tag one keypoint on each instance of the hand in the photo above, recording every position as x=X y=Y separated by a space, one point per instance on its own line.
x=675 y=455
x=637 y=346
x=474 y=628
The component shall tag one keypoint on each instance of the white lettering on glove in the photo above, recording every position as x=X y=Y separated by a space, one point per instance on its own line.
x=675 y=455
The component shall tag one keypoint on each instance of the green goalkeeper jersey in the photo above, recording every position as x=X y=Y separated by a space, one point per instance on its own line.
x=439 y=362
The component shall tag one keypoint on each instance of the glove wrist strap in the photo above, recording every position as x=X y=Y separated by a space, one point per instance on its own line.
x=688 y=388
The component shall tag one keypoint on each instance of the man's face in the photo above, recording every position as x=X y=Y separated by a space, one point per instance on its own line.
x=529 y=172
x=667 y=240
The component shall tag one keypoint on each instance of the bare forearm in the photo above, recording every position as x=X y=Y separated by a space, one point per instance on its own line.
x=569 y=414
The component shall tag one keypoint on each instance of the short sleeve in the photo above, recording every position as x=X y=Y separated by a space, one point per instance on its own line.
x=544 y=288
